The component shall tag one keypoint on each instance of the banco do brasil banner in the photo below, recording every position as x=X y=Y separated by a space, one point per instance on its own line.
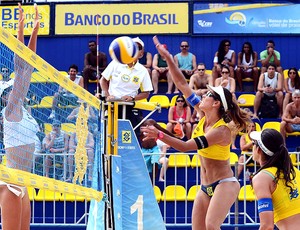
x=246 y=18
x=149 y=18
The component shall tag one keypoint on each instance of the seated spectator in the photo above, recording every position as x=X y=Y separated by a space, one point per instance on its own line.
x=180 y=115
x=64 y=97
x=247 y=65
x=223 y=57
x=270 y=55
x=161 y=71
x=145 y=58
x=269 y=86
x=90 y=150
x=226 y=81
x=200 y=80
x=291 y=116
x=246 y=147
x=291 y=83
x=185 y=60
x=90 y=64
x=56 y=142
x=154 y=152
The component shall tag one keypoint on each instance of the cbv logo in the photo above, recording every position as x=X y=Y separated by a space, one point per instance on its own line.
x=203 y=23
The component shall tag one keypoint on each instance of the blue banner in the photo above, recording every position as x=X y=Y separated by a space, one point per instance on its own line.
x=246 y=18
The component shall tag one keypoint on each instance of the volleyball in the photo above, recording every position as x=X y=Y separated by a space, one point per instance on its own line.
x=123 y=49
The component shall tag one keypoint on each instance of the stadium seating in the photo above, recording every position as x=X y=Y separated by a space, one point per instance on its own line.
x=193 y=192
x=272 y=125
x=233 y=158
x=195 y=161
x=68 y=127
x=246 y=193
x=157 y=193
x=46 y=102
x=246 y=100
x=163 y=100
x=179 y=160
x=162 y=124
x=31 y=193
x=46 y=195
x=174 y=192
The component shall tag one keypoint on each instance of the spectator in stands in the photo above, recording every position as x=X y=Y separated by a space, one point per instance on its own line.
x=246 y=147
x=89 y=146
x=291 y=83
x=200 y=80
x=90 y=64
x=154 y=152
x=145 y=58
x=56 y=142
x=291 y=115
x=276 y=184
x=186 y=61
x=270 y=55
x=223 y=57
x=179 y=116
x=128 y=84
x=212 y=139
x=161 y=71
x=247 y=65
x=269 y=85
x=64 y=97
x=19 y=129
x=226 y=81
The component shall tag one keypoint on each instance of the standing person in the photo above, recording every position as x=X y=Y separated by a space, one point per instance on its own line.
x=270 y=56
x=128 y=82
x=224 y=56
x=64 y=97
x=19 y=129
x=247 y=65
x=291 y=83
x=200 y=80
x=277 y=183
x=90 y=64
x=219 y=188
x=161 y=70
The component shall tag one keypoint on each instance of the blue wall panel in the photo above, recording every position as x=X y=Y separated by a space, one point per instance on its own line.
x=64 y=51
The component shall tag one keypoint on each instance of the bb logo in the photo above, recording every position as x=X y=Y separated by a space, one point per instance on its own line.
x=126 y=137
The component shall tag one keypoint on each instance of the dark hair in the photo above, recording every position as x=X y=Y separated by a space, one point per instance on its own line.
x=73 y=66
x=221 y=50
x=239 y=116
x=273 y=141
x=250 y=48
x=184 y=104
x=92 y=41
x=272 y=42
x=271 y=64
x=297 y=78
x=225 y=67
x=201 y=63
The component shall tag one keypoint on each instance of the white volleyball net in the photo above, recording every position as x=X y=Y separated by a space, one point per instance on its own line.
x=49 y=124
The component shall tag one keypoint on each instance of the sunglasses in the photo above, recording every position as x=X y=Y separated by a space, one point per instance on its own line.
x=210 y=94
x=184 y=46
x=292 y=72
x=180 y=101
x=140 y=47
x=56 y=126
x=225 y=72
x=201 y=69
x=226 y=45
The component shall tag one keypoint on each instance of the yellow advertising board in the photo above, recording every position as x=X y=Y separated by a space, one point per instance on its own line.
x=150 y=18
x=10 y=14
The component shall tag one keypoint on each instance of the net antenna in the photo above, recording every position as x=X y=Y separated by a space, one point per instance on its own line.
x=97 y=40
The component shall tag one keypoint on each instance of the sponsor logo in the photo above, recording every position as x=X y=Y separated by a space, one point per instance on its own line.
x=204 y=23
x=236 y=18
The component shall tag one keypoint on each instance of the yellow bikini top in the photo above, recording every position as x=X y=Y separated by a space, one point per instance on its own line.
x=216 y=152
